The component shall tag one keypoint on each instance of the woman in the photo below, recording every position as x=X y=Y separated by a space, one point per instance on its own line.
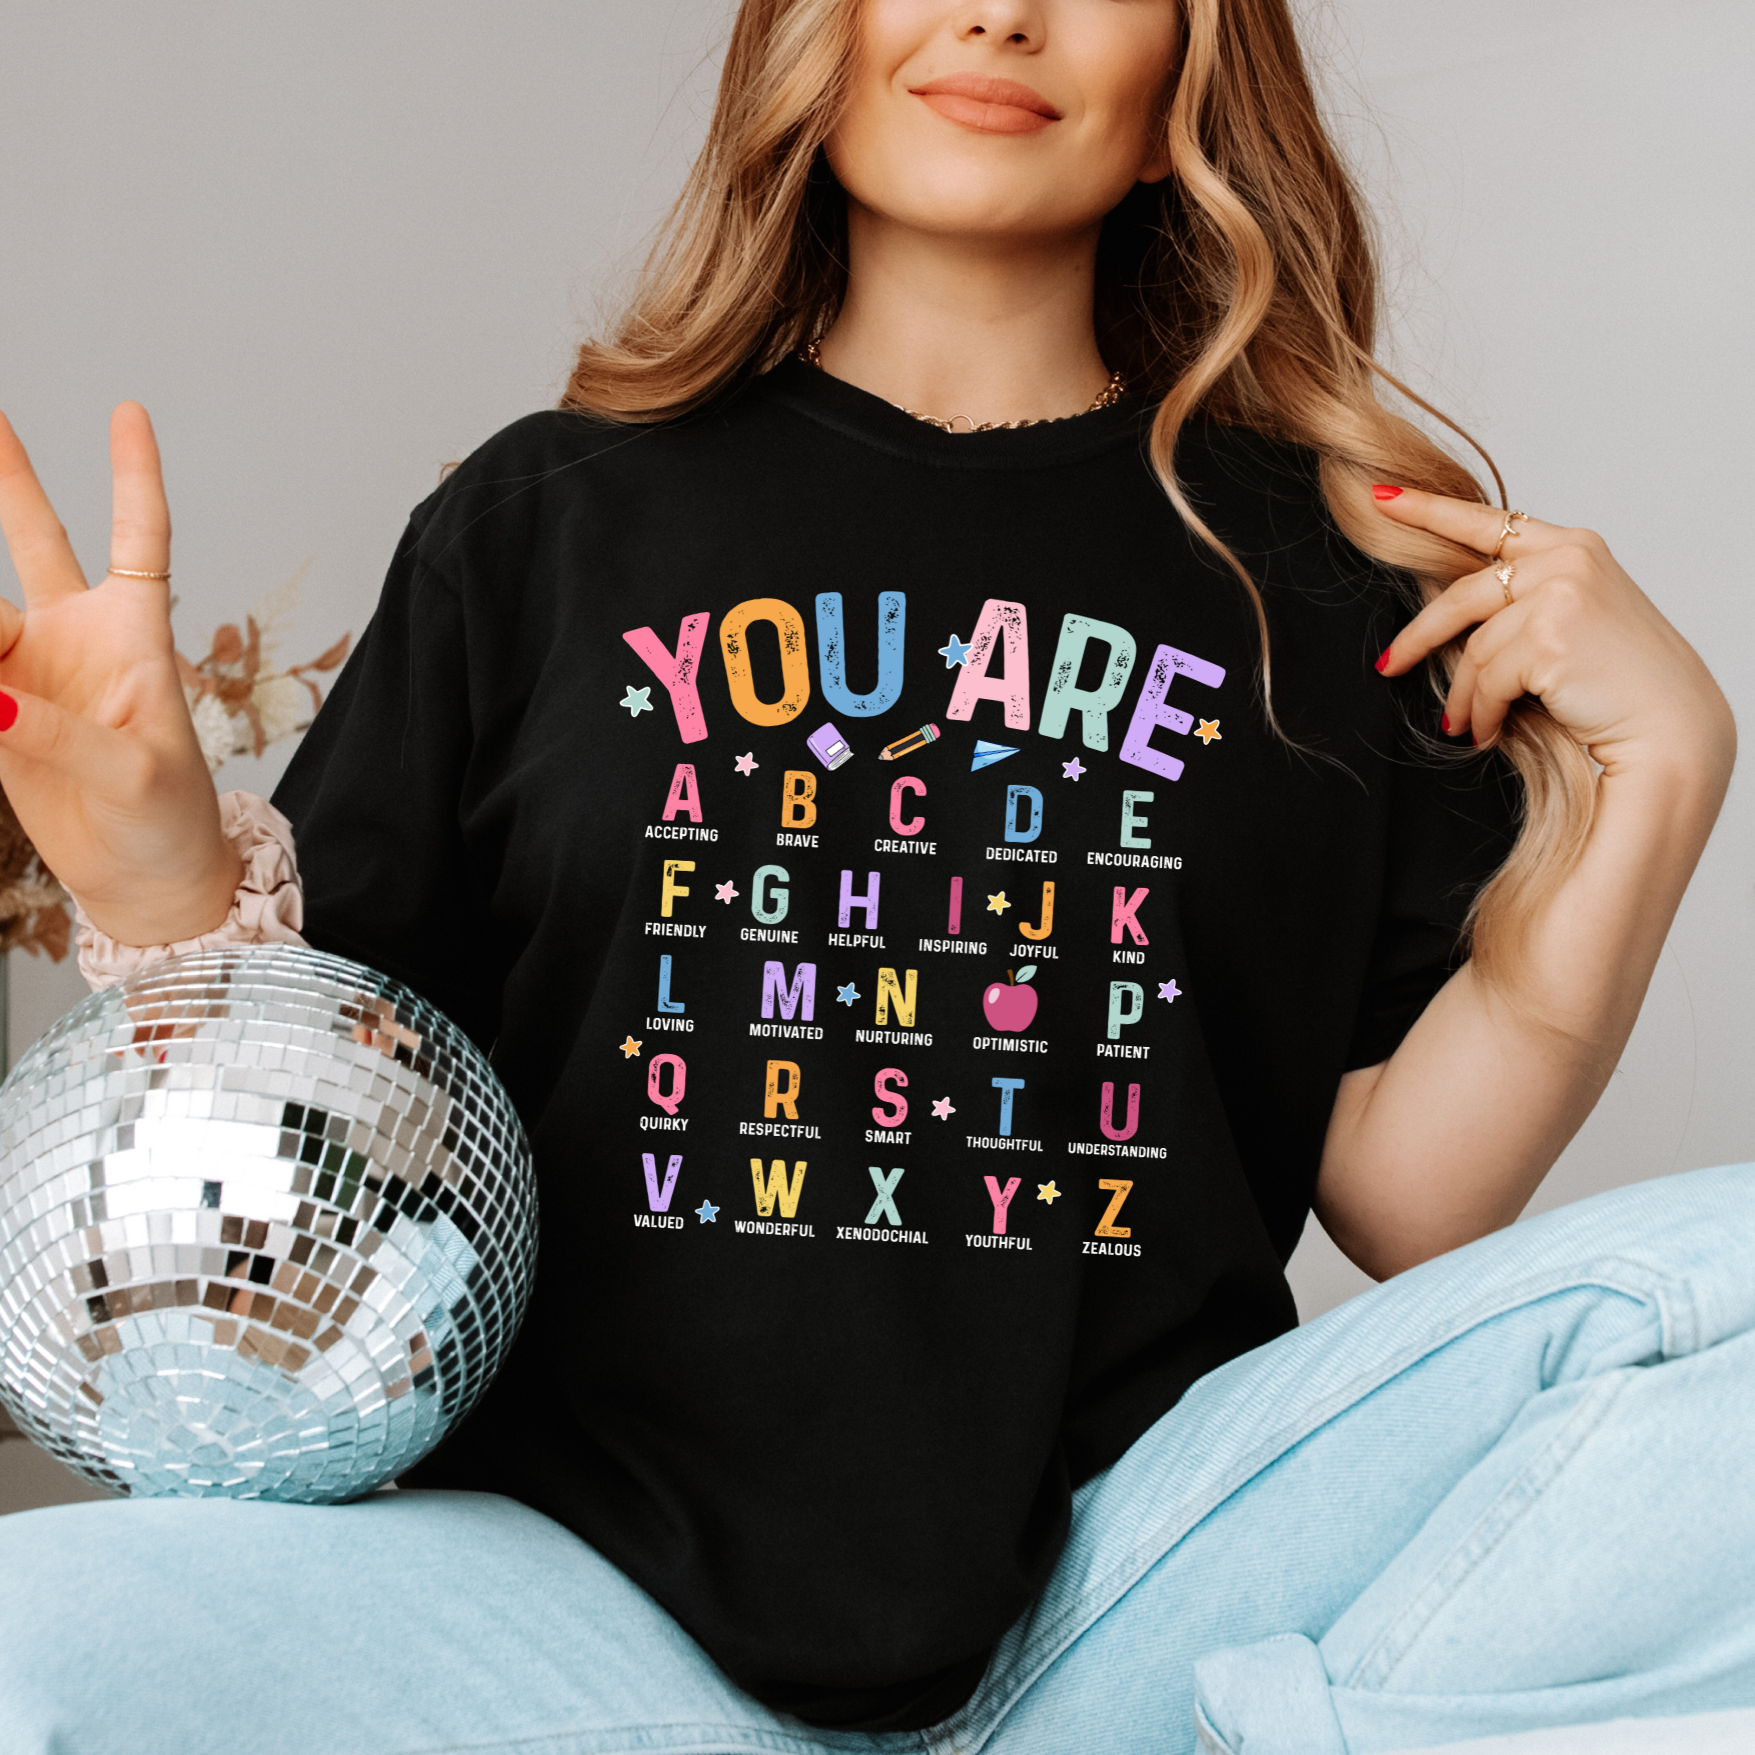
x=990 y=1054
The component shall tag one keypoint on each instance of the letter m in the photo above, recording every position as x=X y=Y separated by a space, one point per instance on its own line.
x=774 y=988
x=777 y=1188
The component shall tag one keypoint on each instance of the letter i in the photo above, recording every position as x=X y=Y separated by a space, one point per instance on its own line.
x=955 y=926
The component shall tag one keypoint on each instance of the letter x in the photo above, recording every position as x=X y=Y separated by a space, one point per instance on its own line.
x=885 y=1202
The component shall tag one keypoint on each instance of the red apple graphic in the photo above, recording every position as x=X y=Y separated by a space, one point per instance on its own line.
x=1009 y=1004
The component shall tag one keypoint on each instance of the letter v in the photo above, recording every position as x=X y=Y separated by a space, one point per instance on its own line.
x=678 y=673
x=660 y=1203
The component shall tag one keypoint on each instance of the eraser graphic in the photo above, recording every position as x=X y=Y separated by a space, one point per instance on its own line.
x=828 y=746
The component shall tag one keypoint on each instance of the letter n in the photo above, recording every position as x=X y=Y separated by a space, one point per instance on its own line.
x=889 y=991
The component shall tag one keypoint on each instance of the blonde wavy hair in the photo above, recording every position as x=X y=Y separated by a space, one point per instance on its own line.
x=1244 y=289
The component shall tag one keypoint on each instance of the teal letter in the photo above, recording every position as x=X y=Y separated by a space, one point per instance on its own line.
x=1064 y=693
x=770 y=907
x=1127 y=1005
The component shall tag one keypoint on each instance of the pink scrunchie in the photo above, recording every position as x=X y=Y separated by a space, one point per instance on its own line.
x=269 y=907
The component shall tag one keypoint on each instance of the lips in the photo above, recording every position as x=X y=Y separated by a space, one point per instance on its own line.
x=987 y=105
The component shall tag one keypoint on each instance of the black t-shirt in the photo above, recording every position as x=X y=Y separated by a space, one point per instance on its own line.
x=924 y=976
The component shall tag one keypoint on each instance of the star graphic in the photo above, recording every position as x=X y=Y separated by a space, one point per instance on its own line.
x=1048 y=1192
x=1073 y=769
x=706 y=1212
x=1209 y=729
x=954 y=654
x=725 y=892
x=944 y=1109
x=1169 y=990
x=848 y=994
x=746 y=764
x=997 y=904
x=637 y=701
x=630 y=1048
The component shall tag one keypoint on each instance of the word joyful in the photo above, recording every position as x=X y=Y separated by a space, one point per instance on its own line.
x=775 y=1187
x=1002 y=634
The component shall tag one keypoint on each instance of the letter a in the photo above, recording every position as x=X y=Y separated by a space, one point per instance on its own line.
x=684 y=795
x=1007 y=626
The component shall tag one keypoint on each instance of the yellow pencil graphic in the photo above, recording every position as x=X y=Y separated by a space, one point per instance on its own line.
x=906 y=746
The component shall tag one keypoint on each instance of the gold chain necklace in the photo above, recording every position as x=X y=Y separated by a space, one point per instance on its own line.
x=1112 y=392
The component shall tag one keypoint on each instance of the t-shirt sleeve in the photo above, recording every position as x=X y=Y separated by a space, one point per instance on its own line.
x=377 y=792
x=1452 y=824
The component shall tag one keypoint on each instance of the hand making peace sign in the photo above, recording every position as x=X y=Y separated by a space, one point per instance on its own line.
x=1556 y=616
x=98 y=754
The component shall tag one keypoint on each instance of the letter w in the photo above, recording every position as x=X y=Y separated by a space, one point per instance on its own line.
x=774 y=988
x=778 y=1188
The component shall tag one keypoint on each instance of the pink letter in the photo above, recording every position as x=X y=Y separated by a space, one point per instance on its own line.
x=1153 y=710
x=1001 y=1198
x=678 y=673
x=896 y=1106
x=955 y=927
x=679 y=1081
x=1106 y=1115
x=1122 y=914
x=1007 y=624
x=908 y=825
x=684 y=794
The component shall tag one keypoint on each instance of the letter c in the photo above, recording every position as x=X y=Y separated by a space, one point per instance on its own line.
x=906 y=825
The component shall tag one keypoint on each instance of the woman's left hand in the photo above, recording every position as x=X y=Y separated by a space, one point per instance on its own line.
x=1576 y=632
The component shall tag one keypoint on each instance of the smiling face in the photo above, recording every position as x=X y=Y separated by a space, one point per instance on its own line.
x=1021 y=118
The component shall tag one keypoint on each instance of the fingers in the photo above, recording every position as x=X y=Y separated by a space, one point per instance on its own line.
x=1476 y=703
x=1466 y=521
x=99 y=761
x=34 y=537
x=140 y=530
x=1471 y=600
x=11 y=625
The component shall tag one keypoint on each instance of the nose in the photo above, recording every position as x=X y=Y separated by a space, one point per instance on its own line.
x=1017 y=22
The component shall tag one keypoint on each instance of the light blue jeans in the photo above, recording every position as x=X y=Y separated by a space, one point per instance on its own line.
x=1513 y=1488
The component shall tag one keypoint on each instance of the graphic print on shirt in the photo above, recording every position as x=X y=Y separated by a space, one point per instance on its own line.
x=896 y=912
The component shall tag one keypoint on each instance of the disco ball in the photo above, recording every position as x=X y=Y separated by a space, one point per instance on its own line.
x=267 y=1229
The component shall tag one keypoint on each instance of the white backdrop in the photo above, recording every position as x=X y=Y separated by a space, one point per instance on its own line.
x=332 y=246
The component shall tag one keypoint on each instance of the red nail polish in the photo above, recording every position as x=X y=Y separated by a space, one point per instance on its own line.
x=1383 y=658
x=1444 y=724
x=1382 y=491
x=8 y=711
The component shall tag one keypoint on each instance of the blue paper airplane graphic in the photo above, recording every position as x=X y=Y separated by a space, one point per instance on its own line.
x=986 y=754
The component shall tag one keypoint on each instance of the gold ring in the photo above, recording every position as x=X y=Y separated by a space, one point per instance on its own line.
x=1510 y=519
x=1505 y=575
x=127 y=573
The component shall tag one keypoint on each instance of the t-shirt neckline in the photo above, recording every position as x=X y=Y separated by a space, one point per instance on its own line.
x=869 y=419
